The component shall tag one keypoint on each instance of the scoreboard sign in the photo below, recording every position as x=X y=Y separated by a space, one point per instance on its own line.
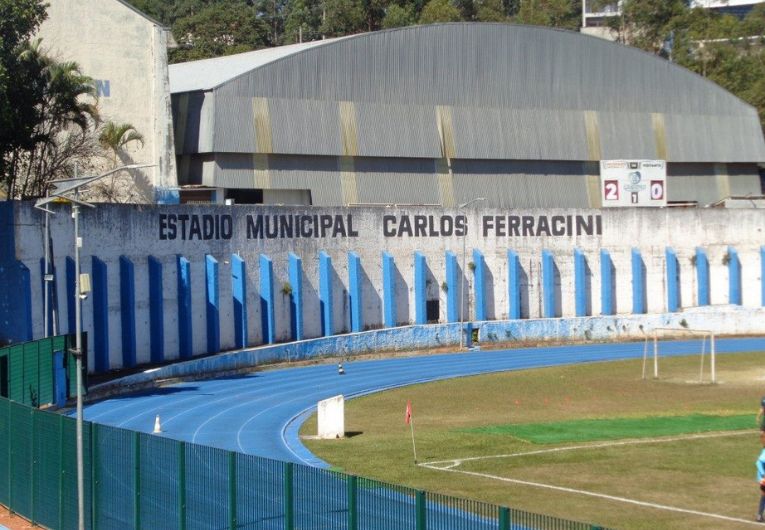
x=633 y=182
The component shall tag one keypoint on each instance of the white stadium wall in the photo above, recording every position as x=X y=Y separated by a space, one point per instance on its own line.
x=210 y=236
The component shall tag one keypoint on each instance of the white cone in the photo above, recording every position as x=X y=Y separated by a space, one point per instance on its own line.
x=157 y=426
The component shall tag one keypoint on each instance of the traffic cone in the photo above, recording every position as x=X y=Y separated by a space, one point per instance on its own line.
x=340 y=369
x=157 y=426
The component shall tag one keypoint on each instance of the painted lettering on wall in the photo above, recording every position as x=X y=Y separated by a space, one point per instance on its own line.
x=103 y=88
x=541 y=225
x=206 y=227
x=424 y=225
x=189 y=227
x=294 y=226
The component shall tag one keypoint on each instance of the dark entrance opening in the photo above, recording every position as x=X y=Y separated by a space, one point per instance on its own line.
x=4 y=376
x=432 y=311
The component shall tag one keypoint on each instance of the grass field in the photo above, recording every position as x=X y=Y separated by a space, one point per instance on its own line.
x=590 y=442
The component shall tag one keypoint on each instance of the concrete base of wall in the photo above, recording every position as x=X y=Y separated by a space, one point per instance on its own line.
x=721 y=320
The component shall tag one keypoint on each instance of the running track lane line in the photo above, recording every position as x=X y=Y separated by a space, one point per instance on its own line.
x=283 y=398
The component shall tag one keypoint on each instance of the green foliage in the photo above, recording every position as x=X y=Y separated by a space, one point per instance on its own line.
x=222 y=28
x=556 y=13
x=490 y=11
x=116 y=136
x=302 y=21
x=439 y=11
x=40 y=100
x=646 y=23
x=398 y=16
x=342 y=17
x=18 y=21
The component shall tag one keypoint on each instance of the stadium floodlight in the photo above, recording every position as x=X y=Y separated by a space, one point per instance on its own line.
x=467 y=279
x=68 y=189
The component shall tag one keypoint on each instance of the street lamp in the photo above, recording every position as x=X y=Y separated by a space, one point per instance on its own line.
x=467 y=280
x=68 y=189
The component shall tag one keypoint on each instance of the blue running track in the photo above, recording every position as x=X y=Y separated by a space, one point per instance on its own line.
x=261 y=413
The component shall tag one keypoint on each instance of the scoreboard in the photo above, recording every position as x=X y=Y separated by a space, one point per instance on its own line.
x=633 y=183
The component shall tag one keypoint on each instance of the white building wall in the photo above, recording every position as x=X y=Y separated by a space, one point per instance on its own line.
x=125 y=52
x=111 y=231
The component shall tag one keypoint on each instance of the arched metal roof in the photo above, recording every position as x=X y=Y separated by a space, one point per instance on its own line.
x=465 y=90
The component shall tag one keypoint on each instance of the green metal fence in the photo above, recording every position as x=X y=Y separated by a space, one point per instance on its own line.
x=27 y=369
x=138 y=480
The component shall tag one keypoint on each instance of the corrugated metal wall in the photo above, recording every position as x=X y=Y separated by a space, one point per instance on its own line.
x=397 y=180
x=507 y=95
x=511 y=184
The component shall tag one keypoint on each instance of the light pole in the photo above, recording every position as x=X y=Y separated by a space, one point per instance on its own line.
x=467 y=279
x=68 y=189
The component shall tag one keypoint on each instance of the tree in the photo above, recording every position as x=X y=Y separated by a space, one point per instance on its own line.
x=19 y=87
x=490 y=11
x=223 y=28
x=342 y=17
x=555 y=13
x=397 y=16
x=58 y=99
x=114 y=138
x=302 y=21
x=439 y=11
x=645 y=24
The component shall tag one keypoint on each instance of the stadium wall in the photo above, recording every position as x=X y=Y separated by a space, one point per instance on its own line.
x=732 y=321
x=172 y=282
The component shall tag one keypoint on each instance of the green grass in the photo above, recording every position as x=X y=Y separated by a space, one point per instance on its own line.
x=710 y=474
x=616 y=428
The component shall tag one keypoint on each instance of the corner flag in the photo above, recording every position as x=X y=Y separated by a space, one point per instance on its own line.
x=410 y=421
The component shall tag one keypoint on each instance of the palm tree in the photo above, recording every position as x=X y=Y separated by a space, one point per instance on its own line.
x=115 y=136
x=66 y=104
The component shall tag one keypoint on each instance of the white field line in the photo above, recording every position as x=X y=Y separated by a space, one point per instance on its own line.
x=456 y=462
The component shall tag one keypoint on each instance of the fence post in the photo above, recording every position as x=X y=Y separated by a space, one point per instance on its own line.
x=352 y=484
x=504 y=518
x=421 y=510
x=232 y=490
x=137 y=479
x=93 y=474
x=182 y=485
x=289 y=512
x=32 y=460
x=61 y=471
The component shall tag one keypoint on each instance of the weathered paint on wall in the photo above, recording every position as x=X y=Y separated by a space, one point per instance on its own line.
x=166 y=232
x=125 y=52
x=731 y=321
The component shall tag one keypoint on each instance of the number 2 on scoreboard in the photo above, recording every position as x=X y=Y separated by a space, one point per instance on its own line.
x=611 y=190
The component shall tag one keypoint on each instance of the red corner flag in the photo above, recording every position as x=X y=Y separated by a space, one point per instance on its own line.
x=408 y=414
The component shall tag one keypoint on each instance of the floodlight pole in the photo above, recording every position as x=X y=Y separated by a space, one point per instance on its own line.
x=464 y=273
x=71 y=187
x=46 y=286
x=78 y=359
